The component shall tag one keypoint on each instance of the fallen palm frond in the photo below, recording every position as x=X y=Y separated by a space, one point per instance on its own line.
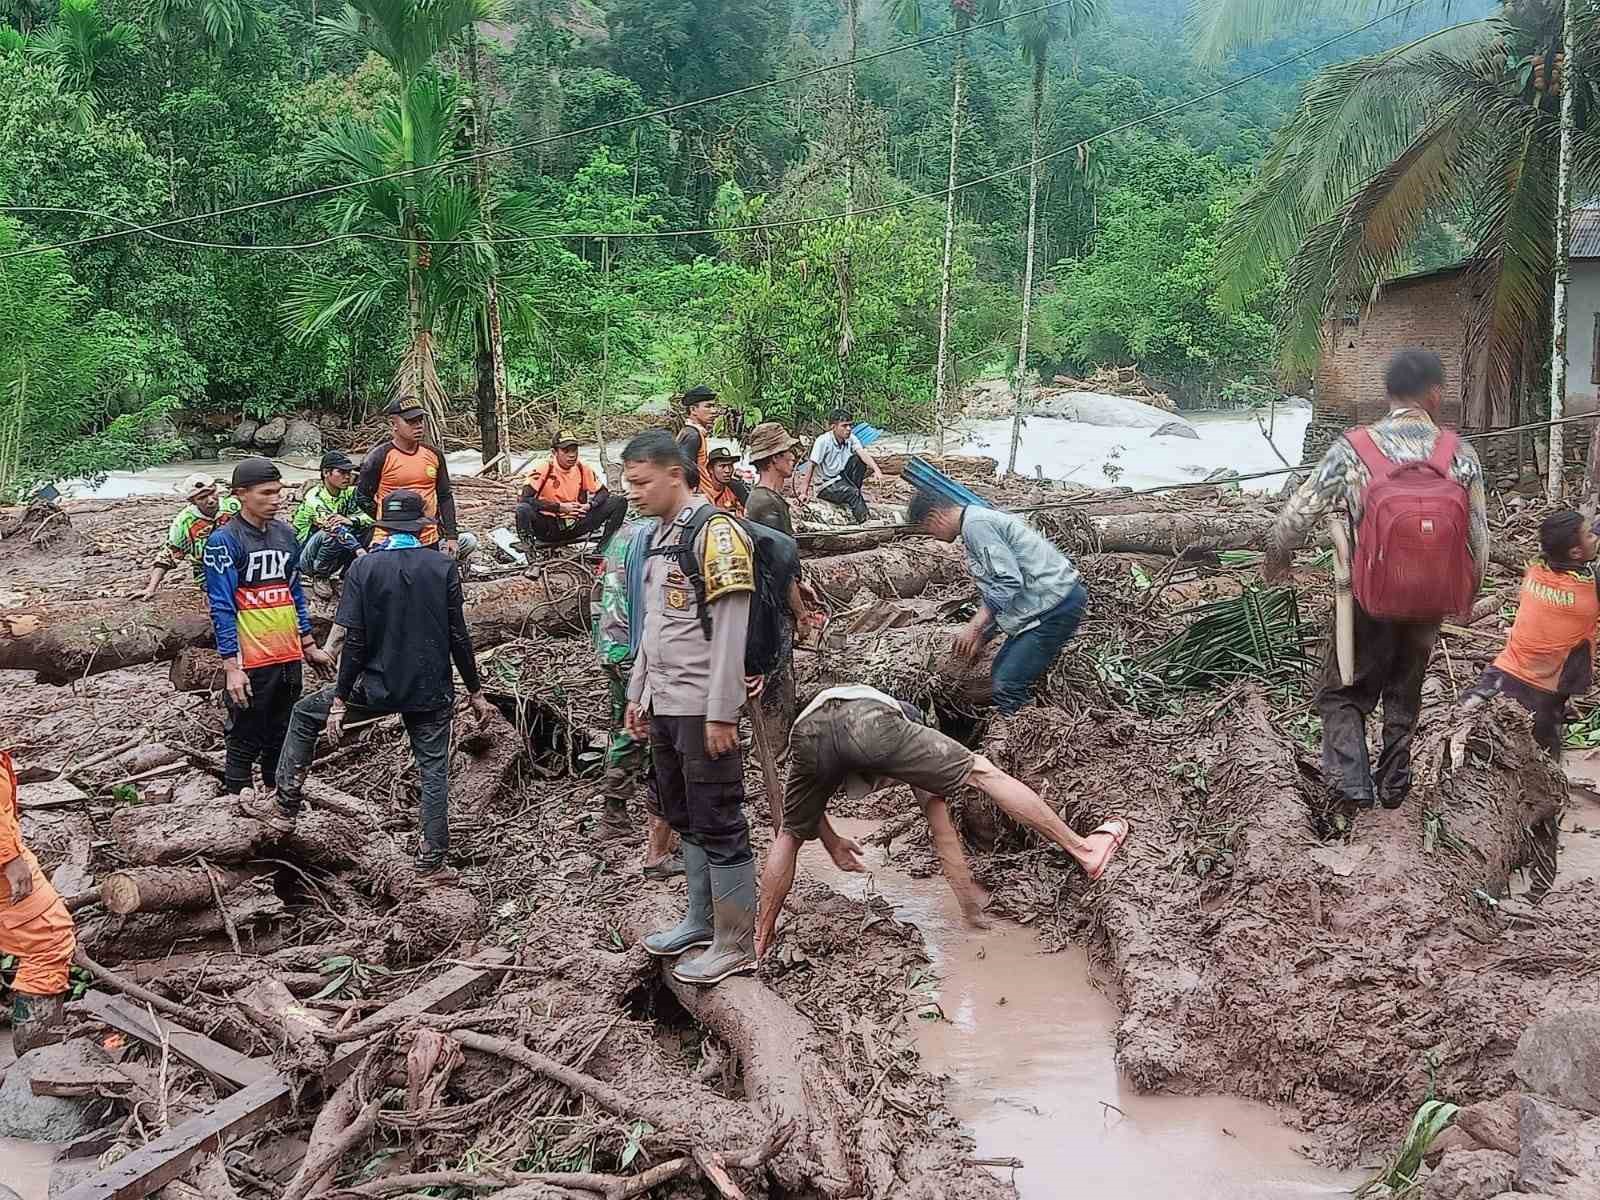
x=1257 y=634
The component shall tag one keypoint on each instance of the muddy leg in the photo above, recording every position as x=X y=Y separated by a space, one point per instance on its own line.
x=947 y=842
x=1346 y=766
x=1402 y=705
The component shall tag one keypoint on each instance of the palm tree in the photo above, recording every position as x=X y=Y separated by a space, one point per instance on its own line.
x=81 y=42
x=909 y=14
x=445 y=211
x=1464 y=123
x=1038 y=31
x=221 y=24
x=407 y=34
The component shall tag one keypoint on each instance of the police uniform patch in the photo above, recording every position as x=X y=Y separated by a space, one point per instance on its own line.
x=726 y=561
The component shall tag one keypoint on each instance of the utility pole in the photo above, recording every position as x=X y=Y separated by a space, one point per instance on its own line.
x=1558 y=337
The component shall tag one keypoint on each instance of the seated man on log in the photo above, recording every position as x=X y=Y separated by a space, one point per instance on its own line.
x=862 y=739
x=261 y=624
x=35 y=929
x=1433 y=572
x=400 y=624
x=727 y=493
x=838 y=467
x=685 y=693
x=1026 y=587
x=1549 y=657
x=331 y=525
x=618 y=628
x=564 y=501
x=186 y=537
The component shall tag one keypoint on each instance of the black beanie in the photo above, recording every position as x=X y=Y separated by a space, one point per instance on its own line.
x=253 y=471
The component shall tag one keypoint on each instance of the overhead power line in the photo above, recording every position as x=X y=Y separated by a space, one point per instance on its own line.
x=786 y=223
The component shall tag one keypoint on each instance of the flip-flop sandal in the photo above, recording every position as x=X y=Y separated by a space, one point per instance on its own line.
x=1117 y=829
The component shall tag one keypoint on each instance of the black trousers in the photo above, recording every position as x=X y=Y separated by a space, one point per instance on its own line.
x=255 y=734
x=535 y=527
x=1391 y=659
x=846 y=490
x=702 y=798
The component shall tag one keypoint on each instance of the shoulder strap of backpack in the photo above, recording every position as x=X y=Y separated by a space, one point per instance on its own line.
x=683 y=551
x=1444 y=452
x=1376 y=461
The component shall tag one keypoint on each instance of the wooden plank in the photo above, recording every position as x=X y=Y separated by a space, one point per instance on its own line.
x=170 y=1156
x=167 y=1158
x=220 y=1062
x=54 y=793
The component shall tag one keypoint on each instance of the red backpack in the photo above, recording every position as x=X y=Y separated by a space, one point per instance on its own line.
x=1412 y=558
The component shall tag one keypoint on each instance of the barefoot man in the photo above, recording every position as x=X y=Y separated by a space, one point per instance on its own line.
x=860 y=738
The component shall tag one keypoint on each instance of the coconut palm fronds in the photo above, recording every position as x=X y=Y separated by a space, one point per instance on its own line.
x=1257 y=634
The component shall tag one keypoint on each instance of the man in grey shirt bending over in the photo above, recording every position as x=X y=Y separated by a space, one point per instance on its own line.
x=1030 y=591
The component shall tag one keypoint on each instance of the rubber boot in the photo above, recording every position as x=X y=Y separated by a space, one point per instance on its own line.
x=36 y=1021
x=695 y=928
x=733 y=950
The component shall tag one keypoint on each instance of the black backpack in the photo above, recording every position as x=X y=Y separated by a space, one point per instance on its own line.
x=777 y=563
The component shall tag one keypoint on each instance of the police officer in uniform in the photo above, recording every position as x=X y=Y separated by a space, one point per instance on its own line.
x=684 y=694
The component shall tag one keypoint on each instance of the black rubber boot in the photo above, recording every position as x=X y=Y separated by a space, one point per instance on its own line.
x=36 y=1021
x=733 y=950
x=695 y=929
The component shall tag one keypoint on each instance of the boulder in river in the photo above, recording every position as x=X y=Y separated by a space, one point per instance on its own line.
x=301 y=438
x=270 y=436
x=46 y=1118
x=1177 y=429
x=1098 y=408
x=244 y=433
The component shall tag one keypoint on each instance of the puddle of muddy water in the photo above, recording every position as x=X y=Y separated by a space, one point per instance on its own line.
x=1027 y=1041
x=24 y=1165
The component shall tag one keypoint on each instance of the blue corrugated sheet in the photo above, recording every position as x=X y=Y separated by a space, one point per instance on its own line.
x=923 y=474
x=866 y=434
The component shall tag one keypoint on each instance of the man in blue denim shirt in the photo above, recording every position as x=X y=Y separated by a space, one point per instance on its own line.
x=1030 y=591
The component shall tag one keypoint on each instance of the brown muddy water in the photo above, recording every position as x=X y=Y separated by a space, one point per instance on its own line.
x=1027 y=1042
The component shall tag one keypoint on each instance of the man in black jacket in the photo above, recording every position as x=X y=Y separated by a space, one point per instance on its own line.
x=401 y=623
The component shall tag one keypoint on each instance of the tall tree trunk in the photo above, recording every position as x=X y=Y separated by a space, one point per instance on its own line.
x=483 y=355
x=941 y=368
x=496 y=430
x=1558 y=341
x=605 y=364
x=418 y=374
x=841 y=265
x=1020 y=391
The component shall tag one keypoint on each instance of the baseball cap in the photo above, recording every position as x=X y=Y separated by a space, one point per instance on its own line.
x=405 y=406
x=698 y=394
x=402 y=512
x=565 y=439
x=197 y=483
x=253 y=471
x=337 y=460
x=721 y=454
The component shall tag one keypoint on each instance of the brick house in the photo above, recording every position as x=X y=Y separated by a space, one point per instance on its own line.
x=1434 y=311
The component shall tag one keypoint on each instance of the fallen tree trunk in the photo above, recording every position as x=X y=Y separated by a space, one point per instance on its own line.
x=165 y=889
x=158 y=834
x=907 y=568
x=915 y=663
x=1170 y=533
x=115 y=939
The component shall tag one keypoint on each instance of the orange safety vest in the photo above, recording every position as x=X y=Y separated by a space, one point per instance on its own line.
x=726 y=499
x=708 y=487
x=11 y=847
x=1557 y=614
x=550 y=482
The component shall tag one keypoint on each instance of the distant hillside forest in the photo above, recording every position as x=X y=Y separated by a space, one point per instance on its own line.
x=592 y=251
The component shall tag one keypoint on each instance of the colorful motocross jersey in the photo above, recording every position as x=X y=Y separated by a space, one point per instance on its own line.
x=191 y=527
x=320 y=503
x=257 y=608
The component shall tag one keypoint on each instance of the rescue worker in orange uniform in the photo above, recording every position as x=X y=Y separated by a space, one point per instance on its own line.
x=726 y=492
x=1549 y=657
x=405 y=460
x=563 y=499
x=35 y=927
x=694 y=439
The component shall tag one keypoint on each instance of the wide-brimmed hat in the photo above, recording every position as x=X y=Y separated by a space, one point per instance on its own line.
x=565 y=439
x=402 y=513
x=197 y=484
x=721 y=454
x=769 y=438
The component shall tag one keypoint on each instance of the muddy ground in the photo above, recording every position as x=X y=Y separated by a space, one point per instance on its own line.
x=1340 y=980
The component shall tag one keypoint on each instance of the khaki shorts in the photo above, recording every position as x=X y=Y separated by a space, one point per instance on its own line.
x=862 y=737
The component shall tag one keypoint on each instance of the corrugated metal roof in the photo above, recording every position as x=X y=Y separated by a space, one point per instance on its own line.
x=1585 y=233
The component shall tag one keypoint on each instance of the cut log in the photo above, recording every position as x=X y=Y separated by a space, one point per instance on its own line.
x=114 y=939
x=157 y=834
x=915 y=663
x=906 y=568
x=165 y=889
x=1171 y=533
